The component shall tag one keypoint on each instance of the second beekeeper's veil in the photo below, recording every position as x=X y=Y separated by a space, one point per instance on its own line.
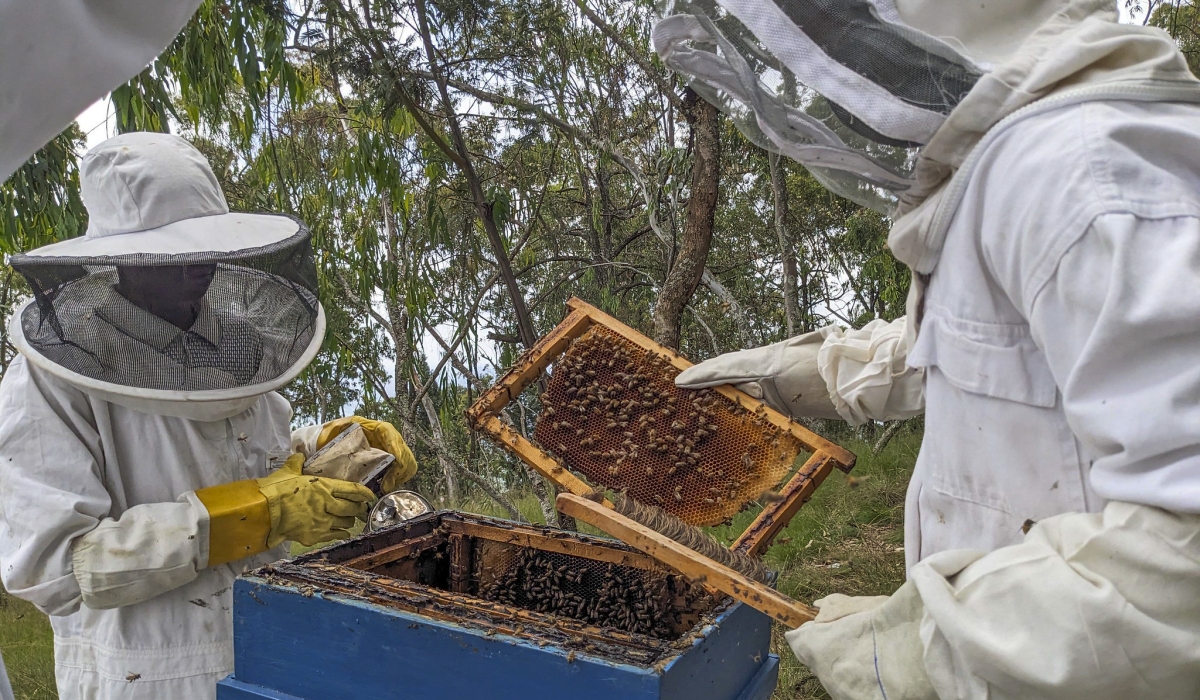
x=846 y=87
x=156 y=212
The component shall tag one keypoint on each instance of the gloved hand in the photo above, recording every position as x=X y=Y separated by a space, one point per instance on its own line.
x=784 y=375
x=382 y=436
x=867 y=647
x=252 y=516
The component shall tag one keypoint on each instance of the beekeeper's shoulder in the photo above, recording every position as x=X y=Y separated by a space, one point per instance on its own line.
x=30 y=394
x=1042 y=181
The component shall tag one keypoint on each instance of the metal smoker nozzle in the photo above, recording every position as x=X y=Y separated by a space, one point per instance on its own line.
x=396 y=507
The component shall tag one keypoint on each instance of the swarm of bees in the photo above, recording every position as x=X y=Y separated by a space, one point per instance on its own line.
x=611 y=411
x=597 y=594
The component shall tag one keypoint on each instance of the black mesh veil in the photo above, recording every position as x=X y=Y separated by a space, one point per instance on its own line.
x=888 y=55
x=841 y=86
x=255 y=321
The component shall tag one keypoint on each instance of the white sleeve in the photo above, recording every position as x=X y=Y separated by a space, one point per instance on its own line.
x=866 y=373
x=59 y=56
x=1119 y=322
x=55 y=510
x=1091 y=606
x=151 y=549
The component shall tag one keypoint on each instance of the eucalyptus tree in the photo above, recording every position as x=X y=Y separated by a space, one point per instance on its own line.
x=465 y=168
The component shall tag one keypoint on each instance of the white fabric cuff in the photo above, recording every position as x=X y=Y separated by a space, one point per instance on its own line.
x=1091 y=606
x=304 y=440
x=866 y=375
x=866 y=647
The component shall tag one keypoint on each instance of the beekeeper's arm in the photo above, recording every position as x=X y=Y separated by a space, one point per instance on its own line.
x=857 y=375
x=59 y=547
x=59 y=56
x=1090 y=606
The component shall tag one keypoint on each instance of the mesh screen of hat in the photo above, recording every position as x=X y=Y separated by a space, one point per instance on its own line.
x=257 y=318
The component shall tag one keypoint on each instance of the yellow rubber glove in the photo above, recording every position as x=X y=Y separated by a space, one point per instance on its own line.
x=251 y=516
x=382 y=436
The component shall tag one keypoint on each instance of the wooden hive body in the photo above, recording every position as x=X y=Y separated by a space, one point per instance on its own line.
x=404 y=613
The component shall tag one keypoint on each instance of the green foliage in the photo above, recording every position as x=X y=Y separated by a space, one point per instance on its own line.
x=40 y=203
x=333 y=116
x=1181 y=19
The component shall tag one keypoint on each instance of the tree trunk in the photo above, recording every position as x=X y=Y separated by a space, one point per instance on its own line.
x=791 y=303
x=688 y=266
x=448 y=468
x=893 y=428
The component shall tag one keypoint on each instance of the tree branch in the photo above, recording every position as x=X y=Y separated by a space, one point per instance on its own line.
x=663 y=86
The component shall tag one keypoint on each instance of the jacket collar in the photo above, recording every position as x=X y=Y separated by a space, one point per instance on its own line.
x=150 y=329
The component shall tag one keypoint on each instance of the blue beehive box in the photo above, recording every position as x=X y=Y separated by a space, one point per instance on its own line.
x=456 y=606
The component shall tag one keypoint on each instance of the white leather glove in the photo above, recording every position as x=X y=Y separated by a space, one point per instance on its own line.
x=784 y=375
x=867 y=647
x=1090 y=606
x=856 y=375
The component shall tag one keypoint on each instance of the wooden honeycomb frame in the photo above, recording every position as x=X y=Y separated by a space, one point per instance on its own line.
x=484 y=416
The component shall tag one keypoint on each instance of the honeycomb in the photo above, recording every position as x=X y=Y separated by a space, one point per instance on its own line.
x=611 y=413
x=655 y=603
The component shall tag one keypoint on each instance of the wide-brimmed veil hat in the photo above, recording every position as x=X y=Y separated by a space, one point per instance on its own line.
x=851 y=89
x=154 y=202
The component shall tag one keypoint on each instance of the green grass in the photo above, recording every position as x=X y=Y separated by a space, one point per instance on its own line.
x=847 y=539
x=28 y=648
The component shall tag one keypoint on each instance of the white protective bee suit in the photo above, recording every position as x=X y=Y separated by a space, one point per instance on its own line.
x=112 y=419
x=1053 y=226
x=59 y=56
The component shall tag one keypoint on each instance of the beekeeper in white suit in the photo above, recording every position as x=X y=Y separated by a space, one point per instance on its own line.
x=145 y=457
x=1050 y=212
x=59 y=56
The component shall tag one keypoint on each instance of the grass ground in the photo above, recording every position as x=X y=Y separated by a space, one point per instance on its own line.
x=28 y=649
x=848 y=539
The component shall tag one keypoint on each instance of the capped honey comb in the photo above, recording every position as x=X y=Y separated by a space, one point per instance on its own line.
x=611 y=412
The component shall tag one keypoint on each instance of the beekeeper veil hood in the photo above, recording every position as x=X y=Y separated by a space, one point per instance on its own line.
x=170 y=303
x=849 y=88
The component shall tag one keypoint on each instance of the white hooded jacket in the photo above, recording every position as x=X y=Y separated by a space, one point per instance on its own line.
x=1076 y=155
x=1055 y=313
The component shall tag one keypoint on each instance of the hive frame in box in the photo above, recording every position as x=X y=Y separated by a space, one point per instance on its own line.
x=484 y=416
